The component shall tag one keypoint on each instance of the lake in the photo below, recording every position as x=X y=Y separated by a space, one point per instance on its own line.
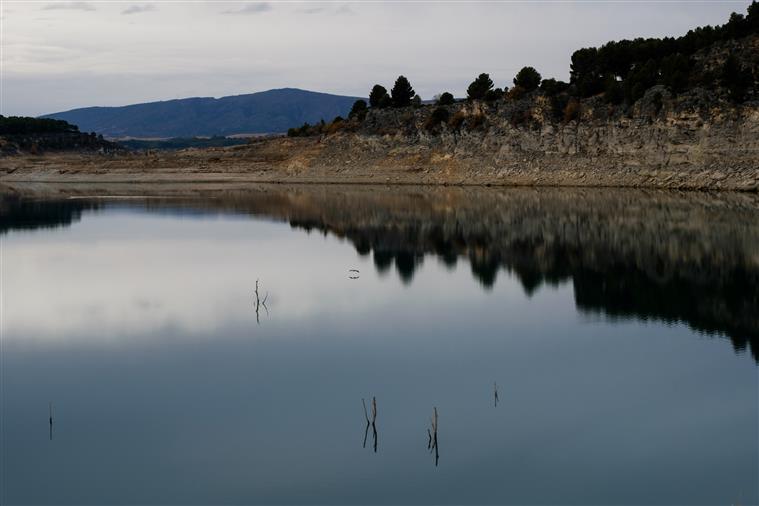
x=587 y=346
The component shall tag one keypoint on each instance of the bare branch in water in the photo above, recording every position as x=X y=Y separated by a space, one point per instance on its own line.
x=259 y=303
x=432 y=436
x=371 y=422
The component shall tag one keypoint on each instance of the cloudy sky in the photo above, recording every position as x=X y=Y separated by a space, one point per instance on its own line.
x=59 y=55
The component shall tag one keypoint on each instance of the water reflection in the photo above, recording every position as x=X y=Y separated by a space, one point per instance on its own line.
x=29 y=213
x=138 y=320
x=664 y=256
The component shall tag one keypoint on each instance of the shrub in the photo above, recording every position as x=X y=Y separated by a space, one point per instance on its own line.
x=301 y=131
x=572 y=110
x=377 y=96
x=520 y=117
x=640 y=80
x=675 y=72
x=558 y=104
x=445 y=99
x=402 y=92
x=493 y=95
x=736 y=79
x=457 y=120
x=438 y=116
x=614 y=93
x=358 y=111
x=553 y=87
x=476 y=121
x=337 y=124
x=515 y=93
x=479 y=87
x=416 y=101
x=528 y=78
x=658 y=102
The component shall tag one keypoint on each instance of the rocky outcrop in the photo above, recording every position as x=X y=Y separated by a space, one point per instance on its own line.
x=680 y=145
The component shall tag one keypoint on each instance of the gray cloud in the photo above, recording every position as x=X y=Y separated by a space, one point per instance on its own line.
x=252 y=8
x=72 y=6
x=312 y=10
x=343 y=9
x=136 y=9
x=96 y=58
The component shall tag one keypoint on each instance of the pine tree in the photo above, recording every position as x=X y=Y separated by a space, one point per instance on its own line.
x=402 y=92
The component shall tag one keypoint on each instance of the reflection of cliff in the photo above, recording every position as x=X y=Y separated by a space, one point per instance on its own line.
x=18 y=213
x=675 y=257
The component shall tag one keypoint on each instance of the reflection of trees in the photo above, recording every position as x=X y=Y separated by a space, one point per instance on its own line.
x=691 y=257
x=729 y=307
x=26 y=214
x=670 y=257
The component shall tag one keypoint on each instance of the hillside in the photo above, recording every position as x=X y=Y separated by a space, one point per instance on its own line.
x=270 y=111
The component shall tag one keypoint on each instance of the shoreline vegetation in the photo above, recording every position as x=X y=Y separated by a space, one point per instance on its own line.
x=666 y=113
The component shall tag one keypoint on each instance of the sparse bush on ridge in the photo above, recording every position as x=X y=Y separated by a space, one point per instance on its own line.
x=528 y=79
x=378 y=96
x=445 y=98
x=493 y=95
x=358 y=111
x=479 y=87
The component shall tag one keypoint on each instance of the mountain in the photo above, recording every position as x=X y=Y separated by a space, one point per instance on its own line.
x=264 y=112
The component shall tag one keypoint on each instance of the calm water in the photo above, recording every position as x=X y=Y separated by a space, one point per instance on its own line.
x=621 y=329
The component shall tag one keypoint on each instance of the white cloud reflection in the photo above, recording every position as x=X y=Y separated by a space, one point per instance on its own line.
x=116 y=276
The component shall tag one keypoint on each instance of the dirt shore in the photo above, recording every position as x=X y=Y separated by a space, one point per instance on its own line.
x=364 y=160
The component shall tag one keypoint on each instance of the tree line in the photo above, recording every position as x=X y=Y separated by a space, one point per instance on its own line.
x=619 y=71
x=21 y=125
x=624 y=70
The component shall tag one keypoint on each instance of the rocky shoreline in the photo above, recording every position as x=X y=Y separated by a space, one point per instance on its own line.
x=670 y=146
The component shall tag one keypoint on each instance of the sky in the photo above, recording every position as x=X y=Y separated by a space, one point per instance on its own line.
x=60 y=55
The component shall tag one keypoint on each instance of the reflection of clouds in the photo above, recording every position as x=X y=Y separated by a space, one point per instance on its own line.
x=137 y=9
x=250 y=8
x=114 y=274
x=69 y=6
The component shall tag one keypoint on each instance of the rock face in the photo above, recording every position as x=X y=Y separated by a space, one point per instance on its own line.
x=680 y=146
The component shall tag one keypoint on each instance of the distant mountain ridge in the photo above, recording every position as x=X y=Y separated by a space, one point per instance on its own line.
x=271 y=111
